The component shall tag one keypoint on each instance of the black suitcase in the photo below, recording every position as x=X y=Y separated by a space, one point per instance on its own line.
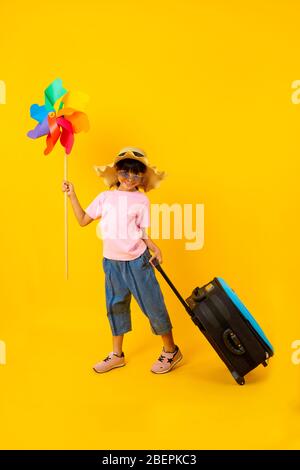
x=227 y=325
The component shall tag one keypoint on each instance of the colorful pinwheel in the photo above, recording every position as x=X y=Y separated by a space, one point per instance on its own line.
x=60 y=117
x=65 y=121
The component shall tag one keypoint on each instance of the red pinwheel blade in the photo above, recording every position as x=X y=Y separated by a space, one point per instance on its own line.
x=54 y=133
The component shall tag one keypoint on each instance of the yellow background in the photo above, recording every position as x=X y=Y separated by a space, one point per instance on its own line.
x=205 y=88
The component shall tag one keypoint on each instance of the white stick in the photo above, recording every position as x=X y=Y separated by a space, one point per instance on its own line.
x=66 y=219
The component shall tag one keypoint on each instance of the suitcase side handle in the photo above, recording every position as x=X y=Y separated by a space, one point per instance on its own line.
x=233 y=343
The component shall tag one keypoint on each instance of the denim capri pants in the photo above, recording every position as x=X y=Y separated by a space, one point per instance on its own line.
x=136 y=277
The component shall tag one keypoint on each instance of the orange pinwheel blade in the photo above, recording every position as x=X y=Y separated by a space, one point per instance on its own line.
x=79 y=122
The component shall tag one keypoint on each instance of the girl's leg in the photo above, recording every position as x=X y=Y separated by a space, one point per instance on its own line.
x=117 y=344
x=169 y=345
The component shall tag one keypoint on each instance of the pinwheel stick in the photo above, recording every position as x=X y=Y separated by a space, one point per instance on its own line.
x=66 y=219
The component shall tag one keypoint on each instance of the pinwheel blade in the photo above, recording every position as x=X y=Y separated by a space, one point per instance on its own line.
x=79 y=121
x=75 y=101
x=53 y=92
x=38 y=112
x=67 y=136
x=54 y=133
x=41 y=129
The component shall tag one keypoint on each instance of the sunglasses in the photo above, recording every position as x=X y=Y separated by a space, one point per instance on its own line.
x=136 y=154
x=127 y=175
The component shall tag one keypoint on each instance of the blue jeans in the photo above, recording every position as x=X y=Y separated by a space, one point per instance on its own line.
x=136 y=277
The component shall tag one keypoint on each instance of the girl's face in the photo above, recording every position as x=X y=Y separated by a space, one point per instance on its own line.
x=128 y=180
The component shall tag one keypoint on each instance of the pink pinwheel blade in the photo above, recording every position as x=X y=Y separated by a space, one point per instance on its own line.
x=67 y=135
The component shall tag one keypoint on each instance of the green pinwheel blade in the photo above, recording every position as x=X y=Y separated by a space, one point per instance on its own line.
x=53 y=92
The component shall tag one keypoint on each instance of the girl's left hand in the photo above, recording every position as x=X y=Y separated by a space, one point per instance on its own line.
x=156 y=254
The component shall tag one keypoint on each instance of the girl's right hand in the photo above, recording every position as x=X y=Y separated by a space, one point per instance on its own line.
x=67 y=187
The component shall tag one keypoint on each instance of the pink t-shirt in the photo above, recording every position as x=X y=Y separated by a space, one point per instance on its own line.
x=123 y=216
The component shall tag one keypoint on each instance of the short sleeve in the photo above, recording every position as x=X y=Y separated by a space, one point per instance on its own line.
x=143 y=214
x=94 y=210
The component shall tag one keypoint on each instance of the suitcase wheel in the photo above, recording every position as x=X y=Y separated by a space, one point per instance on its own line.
x=238 y=378
x=265 y=363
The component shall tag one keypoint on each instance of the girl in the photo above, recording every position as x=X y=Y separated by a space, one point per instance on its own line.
x=127 y=262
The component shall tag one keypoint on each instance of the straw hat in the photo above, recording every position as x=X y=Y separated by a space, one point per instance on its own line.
x=151 y=178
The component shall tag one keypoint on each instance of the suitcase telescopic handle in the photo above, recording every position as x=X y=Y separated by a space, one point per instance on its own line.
x=157 y=265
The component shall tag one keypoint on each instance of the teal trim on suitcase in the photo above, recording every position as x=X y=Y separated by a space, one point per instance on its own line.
x=244 y=311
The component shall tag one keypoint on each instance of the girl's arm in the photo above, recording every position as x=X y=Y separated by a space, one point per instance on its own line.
x=81 y=216
x=152 y=246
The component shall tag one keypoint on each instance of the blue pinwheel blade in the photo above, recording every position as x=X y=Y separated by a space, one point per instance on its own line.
x=38 y=112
